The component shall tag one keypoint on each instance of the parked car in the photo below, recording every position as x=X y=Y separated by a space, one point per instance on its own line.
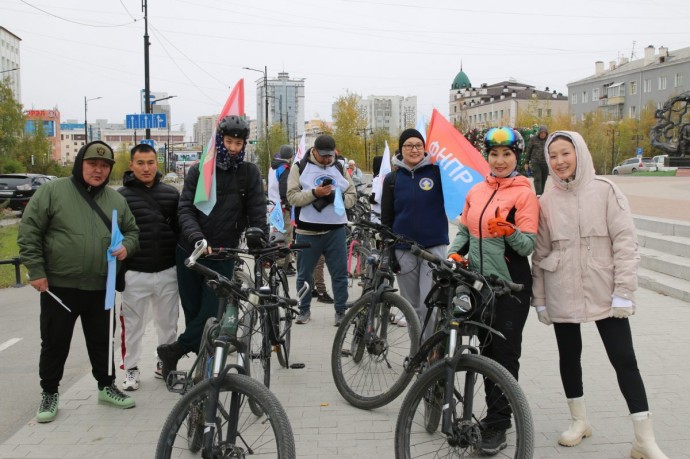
x=632 y=165
x=18 y=188
x=171 y=177
x=659 y=163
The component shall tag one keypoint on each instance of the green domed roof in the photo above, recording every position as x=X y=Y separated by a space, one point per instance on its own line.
x=461 y=81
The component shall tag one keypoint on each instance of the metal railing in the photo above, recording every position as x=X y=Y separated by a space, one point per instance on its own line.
x=17 y=274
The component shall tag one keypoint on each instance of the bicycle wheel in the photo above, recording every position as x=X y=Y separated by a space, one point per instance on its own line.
x=268 y=435
x=357 y=260
x=282 y=322
x=371 y=375
x=473 y=375
x=204 y=365
x=254 y=358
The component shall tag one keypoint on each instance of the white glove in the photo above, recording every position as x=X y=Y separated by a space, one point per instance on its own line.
x=621 y=307
x=543 y=315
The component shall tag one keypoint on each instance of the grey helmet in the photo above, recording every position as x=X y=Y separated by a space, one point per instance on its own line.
x=276 y=238
x=234 y=126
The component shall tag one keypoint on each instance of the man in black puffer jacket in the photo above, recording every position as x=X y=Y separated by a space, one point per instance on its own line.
x=240 y=203
x=151 y=277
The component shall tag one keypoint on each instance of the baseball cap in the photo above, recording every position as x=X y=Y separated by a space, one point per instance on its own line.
x=325 y=144
x=99 y=150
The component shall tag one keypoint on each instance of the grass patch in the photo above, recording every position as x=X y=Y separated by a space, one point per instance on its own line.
x=655 y=174
x=9 y=250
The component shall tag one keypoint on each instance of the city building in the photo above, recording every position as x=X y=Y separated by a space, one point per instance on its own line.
x=203 y=129
x=72 y=137
x=499 y=104
x=314 y=128
x=50 y=121
x=627 y=86
x=9 y=62
x=285 y=97
x=392 y=113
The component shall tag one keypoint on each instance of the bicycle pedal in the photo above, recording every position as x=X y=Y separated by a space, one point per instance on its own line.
x=177 y=382
x=345 y=353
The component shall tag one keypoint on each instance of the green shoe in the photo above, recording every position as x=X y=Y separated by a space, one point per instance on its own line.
x=113 y=396
x=48 y=408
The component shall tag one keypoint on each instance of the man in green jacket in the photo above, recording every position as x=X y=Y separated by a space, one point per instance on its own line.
x=63 y=243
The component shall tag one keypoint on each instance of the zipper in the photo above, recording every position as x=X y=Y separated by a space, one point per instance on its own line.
x=481 y=216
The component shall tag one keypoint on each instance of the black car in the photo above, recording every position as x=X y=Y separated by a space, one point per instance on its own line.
x=19 y=188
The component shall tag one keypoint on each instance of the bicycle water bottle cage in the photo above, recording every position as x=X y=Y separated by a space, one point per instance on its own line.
x=255 y=237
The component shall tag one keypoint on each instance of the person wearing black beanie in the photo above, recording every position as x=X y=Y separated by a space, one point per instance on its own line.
x=408 y=134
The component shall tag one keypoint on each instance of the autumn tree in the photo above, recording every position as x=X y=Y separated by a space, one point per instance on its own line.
x=266 y=149
x=11 y=129
x=350 y=122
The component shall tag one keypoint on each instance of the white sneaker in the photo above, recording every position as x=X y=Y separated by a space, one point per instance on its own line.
x=398 y=317
x=131 y=381
x=402 y=322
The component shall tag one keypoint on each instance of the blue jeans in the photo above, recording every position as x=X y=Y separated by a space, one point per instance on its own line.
x=332 y=246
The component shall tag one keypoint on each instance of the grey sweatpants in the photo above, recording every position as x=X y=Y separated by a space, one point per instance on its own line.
x=415 y=281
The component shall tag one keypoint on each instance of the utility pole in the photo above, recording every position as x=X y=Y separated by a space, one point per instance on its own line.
x=147 y=87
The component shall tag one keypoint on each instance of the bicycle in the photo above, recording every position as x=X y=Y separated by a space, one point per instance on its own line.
x=459 y=389
x=369 y=350
x=225 y=414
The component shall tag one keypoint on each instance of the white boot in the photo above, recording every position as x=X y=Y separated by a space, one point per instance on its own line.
x=644 y=446
x=580 y=427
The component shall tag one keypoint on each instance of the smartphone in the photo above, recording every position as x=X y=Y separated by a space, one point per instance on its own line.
x=327 y=181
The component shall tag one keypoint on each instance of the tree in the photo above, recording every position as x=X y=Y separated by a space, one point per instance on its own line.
x=350 y=122
x=11 y=128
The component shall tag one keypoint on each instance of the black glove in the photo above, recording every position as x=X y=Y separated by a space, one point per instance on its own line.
x=372 y=198
x=321 y=203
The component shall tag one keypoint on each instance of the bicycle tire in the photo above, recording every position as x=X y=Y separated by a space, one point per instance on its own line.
x=412 y=436
x=375 y=376
x=283 y=328
x=202 y=371
x=357 y=260
x=254 y=346
x=268 y=435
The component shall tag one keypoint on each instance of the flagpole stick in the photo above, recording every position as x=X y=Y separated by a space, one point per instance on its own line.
x=110 y=342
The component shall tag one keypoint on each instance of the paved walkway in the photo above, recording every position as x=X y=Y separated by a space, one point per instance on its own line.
x=326 y=426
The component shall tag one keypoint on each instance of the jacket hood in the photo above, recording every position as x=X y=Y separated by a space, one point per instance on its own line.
x=78 y=171
x=584 y=171
x=398 y=161
x=277 y=162
x=128 y=179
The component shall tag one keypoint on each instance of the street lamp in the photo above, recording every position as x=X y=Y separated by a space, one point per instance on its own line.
x=86 y=123
x=9 y=70
x=265 y=72
x=366 y=152
x=149 y=106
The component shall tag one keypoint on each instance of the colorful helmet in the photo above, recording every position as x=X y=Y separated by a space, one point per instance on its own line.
x=505 y=137
x=234 y=126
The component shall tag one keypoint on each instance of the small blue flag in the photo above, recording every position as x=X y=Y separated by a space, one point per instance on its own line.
x=338 y=202
x=116 y=239
x=275 y=218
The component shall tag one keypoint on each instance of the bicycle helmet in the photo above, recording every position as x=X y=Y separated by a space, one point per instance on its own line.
x=255 y=237
x=505 y=137
x=276 y=238
x=234 y=126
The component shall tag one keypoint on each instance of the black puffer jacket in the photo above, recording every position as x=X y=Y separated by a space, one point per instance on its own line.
x=232 y=213
x=157 y=233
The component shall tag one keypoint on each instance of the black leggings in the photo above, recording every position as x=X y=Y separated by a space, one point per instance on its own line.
x=617 y=339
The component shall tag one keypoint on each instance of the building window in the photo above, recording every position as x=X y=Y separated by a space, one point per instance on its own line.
x=678 y=80
x=633 y=111
x=647 y=85
x=662 y=83
x=573 y=99
x=585 y=97
x=548 y=112
x=633 y=88
x=540 y=112
x=595 y=94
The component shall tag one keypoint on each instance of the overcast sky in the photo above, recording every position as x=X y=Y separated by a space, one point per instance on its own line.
x=71 y=49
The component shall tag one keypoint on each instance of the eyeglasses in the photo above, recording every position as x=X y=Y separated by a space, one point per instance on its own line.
x=418 y=146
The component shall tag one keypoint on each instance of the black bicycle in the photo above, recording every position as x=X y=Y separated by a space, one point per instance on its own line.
x=225 y=414
x=369 y=349
x=446 y=411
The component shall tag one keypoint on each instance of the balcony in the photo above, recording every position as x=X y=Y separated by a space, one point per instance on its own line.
x=617 y=100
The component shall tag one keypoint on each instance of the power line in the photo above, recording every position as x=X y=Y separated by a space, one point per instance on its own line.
x=73 y=21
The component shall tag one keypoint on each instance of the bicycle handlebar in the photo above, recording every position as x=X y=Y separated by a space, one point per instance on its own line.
x=492 y=280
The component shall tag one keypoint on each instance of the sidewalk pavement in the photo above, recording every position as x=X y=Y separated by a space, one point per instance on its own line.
x=326 y=426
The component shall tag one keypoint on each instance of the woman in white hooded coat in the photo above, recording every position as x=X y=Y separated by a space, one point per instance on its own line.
x=585 y=270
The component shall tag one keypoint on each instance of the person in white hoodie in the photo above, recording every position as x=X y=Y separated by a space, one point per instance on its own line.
x=584 y=269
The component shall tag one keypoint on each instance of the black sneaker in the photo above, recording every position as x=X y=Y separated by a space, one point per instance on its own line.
x=493 y=441
x=325 y=298
x=314 y=293
x=289 y=271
